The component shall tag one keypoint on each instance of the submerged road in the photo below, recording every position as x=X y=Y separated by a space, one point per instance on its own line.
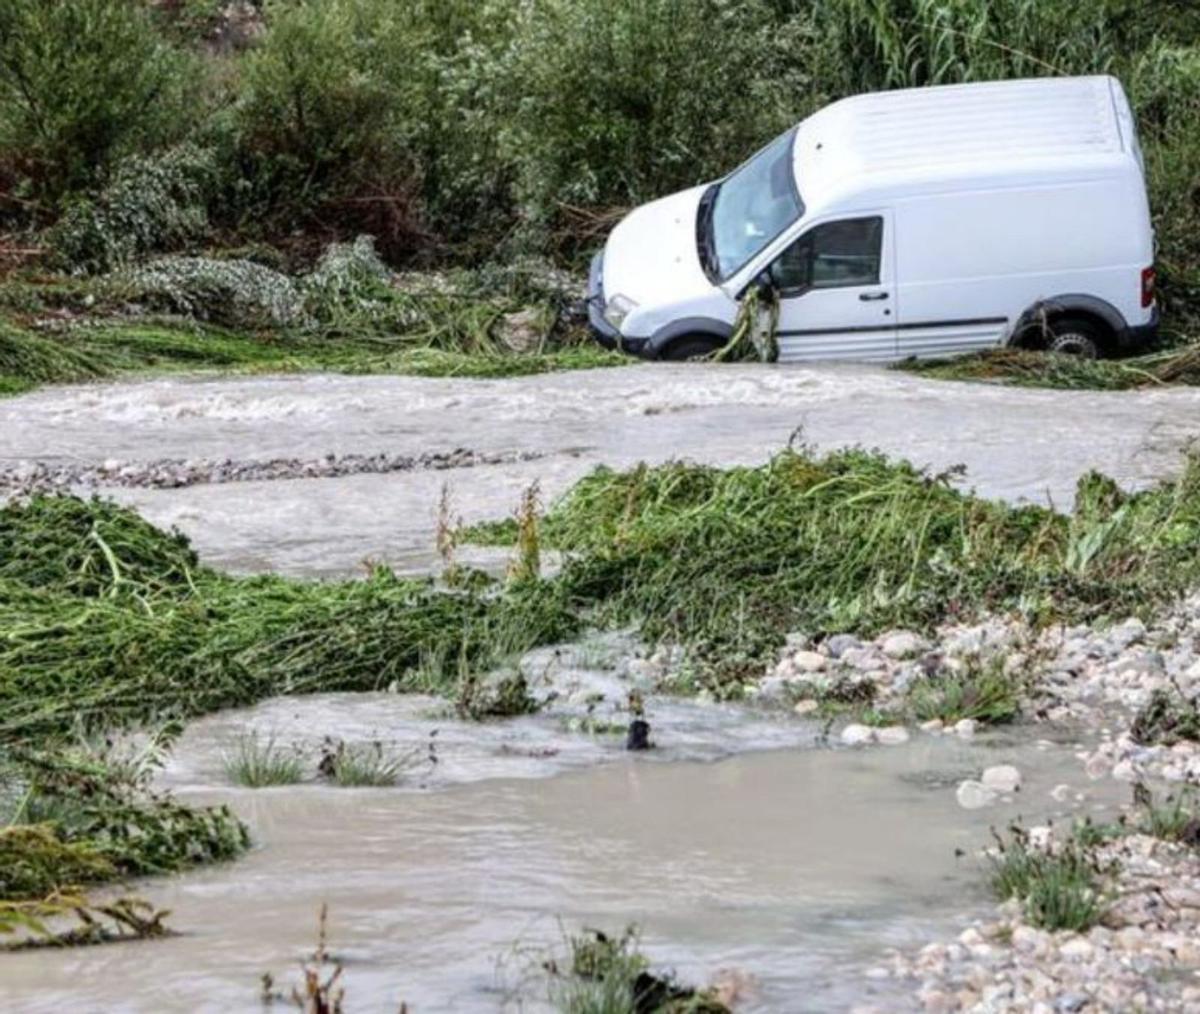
x=1023 y=445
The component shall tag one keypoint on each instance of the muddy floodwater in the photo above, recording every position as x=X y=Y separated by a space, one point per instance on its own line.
x=1019 y=444
x=796 y=867
x=744 y=841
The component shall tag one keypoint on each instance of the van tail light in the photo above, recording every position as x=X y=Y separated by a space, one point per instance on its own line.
x=1148 y=276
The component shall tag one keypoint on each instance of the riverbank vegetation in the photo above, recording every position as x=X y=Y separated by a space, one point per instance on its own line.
x=200 y=158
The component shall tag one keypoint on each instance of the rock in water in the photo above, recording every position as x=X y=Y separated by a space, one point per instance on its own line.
x=973 y=795
x=857 y=735
x=1002 y=778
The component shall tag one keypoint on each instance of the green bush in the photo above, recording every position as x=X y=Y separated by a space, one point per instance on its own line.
x=617 y=103
x=327 y=107
x=152 y=204
x=83 y=83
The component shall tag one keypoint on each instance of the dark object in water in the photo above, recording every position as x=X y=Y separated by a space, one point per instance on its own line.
x=639 y=735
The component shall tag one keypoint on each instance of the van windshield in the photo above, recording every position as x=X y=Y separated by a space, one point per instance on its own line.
x=750 y=207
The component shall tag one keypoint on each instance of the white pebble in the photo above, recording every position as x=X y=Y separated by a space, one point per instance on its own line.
x=973 y=795
x=965 y=727
x=857 y=735
x=1002 y=778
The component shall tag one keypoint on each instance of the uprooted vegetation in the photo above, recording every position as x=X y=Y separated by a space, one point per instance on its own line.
x=1027 y=368
x=726 y=561
x=113 y=619
x=74 y=816
x=349 y=314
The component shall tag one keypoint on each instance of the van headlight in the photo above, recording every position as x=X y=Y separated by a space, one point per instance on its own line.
x=617 y=309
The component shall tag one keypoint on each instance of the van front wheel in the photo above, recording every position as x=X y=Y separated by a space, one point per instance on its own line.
x=1074 y=336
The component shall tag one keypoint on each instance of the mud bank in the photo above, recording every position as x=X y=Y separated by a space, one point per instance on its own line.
x=1017 y=444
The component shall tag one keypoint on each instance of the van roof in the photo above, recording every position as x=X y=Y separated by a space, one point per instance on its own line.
x=915 y=137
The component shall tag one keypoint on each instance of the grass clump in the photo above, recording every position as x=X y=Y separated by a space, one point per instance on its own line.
x=256 y=763
x=358 y=765
x=1174 y=818
x=984 y=693
x=1060 y=888
x=609 y=975
x=1167 y=718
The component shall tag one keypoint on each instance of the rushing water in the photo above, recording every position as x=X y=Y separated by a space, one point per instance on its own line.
x=1019 y=444
x=796 y=864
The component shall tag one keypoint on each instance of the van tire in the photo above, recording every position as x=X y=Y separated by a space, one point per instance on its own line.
x=1076 y=336
x=691 y=347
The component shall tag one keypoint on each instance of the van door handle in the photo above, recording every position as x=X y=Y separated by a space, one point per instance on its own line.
x=868 y=297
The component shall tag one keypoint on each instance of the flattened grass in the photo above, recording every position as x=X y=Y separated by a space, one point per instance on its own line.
x=1028 y=368
x=727 y=561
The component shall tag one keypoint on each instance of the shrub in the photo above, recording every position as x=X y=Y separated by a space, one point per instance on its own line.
x=82 y=84
x=617 y=103
x=152 y=204
x=325 y=106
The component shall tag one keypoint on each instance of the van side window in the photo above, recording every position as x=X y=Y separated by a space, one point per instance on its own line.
x=831 y=256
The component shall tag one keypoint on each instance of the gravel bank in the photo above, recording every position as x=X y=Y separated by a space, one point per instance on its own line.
x=175 y=473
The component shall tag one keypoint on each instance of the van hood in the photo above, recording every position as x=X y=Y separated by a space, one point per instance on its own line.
x=651 y=255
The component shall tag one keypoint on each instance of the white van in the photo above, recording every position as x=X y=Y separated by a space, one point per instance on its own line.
x=923 y=222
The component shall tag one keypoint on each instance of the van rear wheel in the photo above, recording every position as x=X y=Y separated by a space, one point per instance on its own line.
x=691 y=347
x=1075 y=336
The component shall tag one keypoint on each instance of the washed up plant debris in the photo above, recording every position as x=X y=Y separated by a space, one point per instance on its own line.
x=74 y=819
x=727 y=561
x=1029 y=368
x=112 y=622
x=109 y=618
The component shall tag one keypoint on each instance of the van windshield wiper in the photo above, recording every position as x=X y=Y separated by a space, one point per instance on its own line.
x=705 y=245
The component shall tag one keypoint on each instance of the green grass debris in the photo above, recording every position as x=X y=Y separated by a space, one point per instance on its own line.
x=726 y=562
x=1029 y=368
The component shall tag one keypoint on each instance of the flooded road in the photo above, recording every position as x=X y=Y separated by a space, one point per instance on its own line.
x=1018 y=444
x=797 y=868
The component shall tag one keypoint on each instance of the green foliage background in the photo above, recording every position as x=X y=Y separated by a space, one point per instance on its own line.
x=471 y=128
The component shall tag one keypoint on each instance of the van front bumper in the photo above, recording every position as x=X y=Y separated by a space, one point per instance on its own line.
x=601 y=329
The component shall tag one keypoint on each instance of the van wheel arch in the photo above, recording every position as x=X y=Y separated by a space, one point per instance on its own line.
x=1048 y=320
